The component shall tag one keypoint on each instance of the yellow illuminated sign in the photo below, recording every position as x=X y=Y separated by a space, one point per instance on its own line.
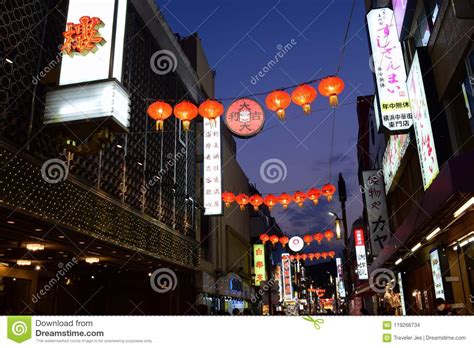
x=259 y=263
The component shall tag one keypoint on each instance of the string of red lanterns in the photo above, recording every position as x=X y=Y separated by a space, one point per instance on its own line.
x=277 y=101
x=311 y=256
x=308 y=239
x=284 y=199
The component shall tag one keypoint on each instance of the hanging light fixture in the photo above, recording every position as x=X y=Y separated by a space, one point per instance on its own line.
x=34 y=246
x=278 y=101
x=304 y=95
x=274 y=239
x=159 y=111
x=270 y=201
x=299 y=198
x=228 y=198
x=328 y=190
x=256 y=201
x=92 y=260
x=329 y=235
x=337 y=225
x=331 y=254
x=242 y=200
x=23 y=262
x=331 y=87
x=284 y=200
x=318 y=237
x=324 y=255
x=313 y=195
x=304 y=256
x=308 y=239
x=284 y=241
x=311 y=256
x=264 y=238
x=317 y=256
x=211 y=109
x=186 y=112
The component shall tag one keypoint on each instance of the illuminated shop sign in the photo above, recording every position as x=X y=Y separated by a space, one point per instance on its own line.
x=286 y=276
x=245 y=118
x=389 y=69
x=422 y=124
x=83 y=37
x=259 y=263
x=212 y=168
x=437 y=275
x=397 y=145
x=340 y=279
x=296 y=243
x=362 y=270
x=399 y=9
x=402 y=293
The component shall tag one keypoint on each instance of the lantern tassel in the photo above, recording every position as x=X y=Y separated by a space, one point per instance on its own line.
x=333 y=100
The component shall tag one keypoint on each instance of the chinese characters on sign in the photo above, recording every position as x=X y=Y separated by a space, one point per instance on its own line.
x=437 y=275
x=399 y=9
x=361 y=258
x=422 y=124
x=212 y=168
x=376 y=205
x=259 y=263
x=340 y=279
x=83 y=37
x=287 y=285
x=389 y=69
x=396 y=147
x=245 y=117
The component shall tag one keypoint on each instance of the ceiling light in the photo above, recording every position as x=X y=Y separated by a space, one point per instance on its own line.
x=35 y=246
x=464 y=207
x=23 y=263
x=38 y=268
x=62 y=237
x=38 y=229
x=398 y=261
x=119 y=146
x=416 y=247
x=11 y=222
x=8 y=60
x=92 y=260
x=434 y=233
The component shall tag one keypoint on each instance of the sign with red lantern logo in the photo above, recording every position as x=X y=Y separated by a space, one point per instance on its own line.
x=245 y=118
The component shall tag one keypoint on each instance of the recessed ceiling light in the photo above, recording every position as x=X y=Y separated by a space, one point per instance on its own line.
x=11 y=222
x=23 y=262
x=38 y=268
x=114 y=252
x=464 y=207
x=82 y=242
x=140 y=163
x=38 y=229
x=99 y=247
x=119 y=146
x=416 y=247
x=61 y=236
x=127 y=255
x=92 y=260
x=434 y=233
x=34 y=246
x=9 y=61
x=398 y=261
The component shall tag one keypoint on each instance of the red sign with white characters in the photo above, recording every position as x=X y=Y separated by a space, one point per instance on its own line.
x=245 y=118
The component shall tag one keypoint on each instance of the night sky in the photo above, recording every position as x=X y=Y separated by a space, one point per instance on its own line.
x=240 y=38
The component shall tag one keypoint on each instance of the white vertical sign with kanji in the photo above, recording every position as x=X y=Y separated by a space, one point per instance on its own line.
x=361 y=258
x=212 y=168
x=376 y=205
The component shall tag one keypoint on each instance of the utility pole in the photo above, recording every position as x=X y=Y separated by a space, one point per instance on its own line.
x=342 y=199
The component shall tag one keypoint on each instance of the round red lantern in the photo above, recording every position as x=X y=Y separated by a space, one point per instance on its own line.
x=278 y=101
x=304 y=95
x=314 y=194
x=331 y=254
x=328 y=190
x=270 y=201
x=264 y=238
x=211 y=109
x=228 y=198
x=298 y=257
x=284 y=200
x=159 y=111
x=331 y=87
x=274 y=239
x=299 y=198
x=324 y=254
x=292 y=257
x=329 y=235
x=304 y=256
x=186 y=112
x=308 y=239
x=242 y=200
x=256 y=201
x=318 y=237
x=284 y=241
x=317 y=256
x=311 y=256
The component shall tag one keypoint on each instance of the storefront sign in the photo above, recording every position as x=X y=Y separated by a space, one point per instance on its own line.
x=245 y=118
x=340 y=279
x=296 y=243
x=212 y=168
x=437 y=275
x=259 y=263
x=362 y=270
x=286 y=276
x=389 y=68
x=402 y=294
x=93 y=26
x=422 y=124
x=376 y=205
x=396 y=147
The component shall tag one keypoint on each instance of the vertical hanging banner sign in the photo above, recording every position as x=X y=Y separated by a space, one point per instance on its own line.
x=287 y=285
x=437 y=275
x=259 y=263
x=340 y=279
x=362 y=269
x=422 y=124
x=212 y=168
x=376 y=205
x=389 y=69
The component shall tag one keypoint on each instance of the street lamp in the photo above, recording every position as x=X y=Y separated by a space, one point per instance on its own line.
x=337 y=224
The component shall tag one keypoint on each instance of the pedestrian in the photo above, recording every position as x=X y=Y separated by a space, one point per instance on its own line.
x=443 y=308
x=235 y=311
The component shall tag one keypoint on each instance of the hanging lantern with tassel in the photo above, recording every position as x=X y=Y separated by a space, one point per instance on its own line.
x=328 y=190
x=274 y=239
x=304 y=95
x=264 y=238
x=284 y=200
x=308 y=239
x=256 y=201
x=159 y=111
x=270 y=201
x=186 y=112
x=299 y=198
x=228 y=198
x=331 y=87
x=313 y=195
x=284 y=241
x=278 y=101
x=329 y=235
x=242 y=200
x=211 y=109
x=318 y=237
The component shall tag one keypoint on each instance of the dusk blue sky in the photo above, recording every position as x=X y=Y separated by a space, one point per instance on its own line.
x=240 y=38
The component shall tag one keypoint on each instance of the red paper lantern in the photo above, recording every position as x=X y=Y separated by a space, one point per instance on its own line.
x=228 y=198
x=270 y=201
x=274 y=239
x=314 y=194
x=256 y=201
x=311 y=256
x=331 y=87
x=242 y=200
x=308 y=239
x=159 y=111
x=211 y=109
x=324 y=254
x=299 y=198
x=292 y=257
x=304 y=95
x=329 y=234
x=186 y=112
x=317 y=256
x=298 y=257
x=264 y=238
x=284 y=200
x=331 y=254
x=318 y=237
x=284 y=241
x=328 y=190
x=278 y=101
x=304 y=256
